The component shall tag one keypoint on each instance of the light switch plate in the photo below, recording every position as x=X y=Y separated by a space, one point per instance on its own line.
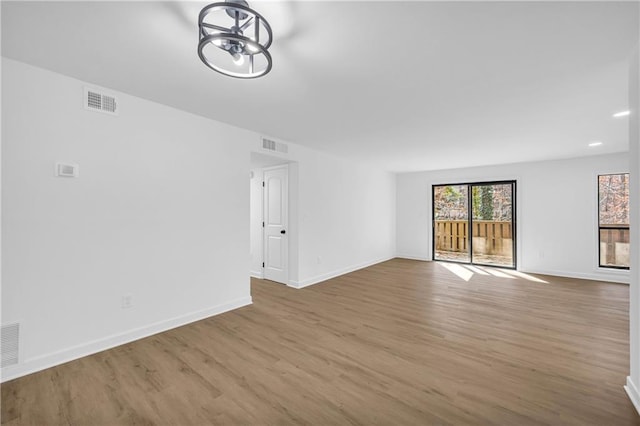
x=67 y=170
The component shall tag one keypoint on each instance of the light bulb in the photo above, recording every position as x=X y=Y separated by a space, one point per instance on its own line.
x=251 y=47
x=238 y=59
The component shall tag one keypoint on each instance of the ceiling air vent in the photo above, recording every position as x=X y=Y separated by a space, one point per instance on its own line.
x=97 y=100
x=272 y=145
x=10 y=338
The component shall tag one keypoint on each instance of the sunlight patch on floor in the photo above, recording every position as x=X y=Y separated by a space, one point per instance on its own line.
x=498 y=273
x=466 y=272
x=459 y=270
x=476 y=270
x=526 y=276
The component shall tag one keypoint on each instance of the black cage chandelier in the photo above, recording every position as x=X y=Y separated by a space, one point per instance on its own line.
x=234 y=39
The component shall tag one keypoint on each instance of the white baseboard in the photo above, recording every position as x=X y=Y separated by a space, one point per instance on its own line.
x=411 y=257
x=42 y=362
x=622 y=278
x=327 y=276
x=256 y=274
x=632 y=391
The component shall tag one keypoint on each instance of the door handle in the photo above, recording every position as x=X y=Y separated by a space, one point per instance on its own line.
x=283 y=232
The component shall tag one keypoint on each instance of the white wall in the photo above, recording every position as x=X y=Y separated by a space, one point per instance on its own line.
x=341 y=215
x=346 y=217
x=556 y=212
x=160 y=212
x=633 y=381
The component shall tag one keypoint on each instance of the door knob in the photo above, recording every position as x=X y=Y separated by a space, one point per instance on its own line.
x=283 y=232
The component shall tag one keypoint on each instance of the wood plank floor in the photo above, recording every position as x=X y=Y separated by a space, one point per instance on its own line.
x=399 y=343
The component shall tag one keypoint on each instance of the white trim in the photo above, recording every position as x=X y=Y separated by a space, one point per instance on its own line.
x=613 y=274
x=410 y=257
x=42 y=362
x=323 y=277
x=256 y=274
x=632 y=392
x=613 y=271
x=621 y=279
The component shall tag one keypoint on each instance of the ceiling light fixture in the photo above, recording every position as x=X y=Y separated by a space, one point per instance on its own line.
x=621 y=114
x=595 y=143
x=223 y=45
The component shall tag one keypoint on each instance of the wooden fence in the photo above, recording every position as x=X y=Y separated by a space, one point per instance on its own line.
x=614 y=247
x=489 y=237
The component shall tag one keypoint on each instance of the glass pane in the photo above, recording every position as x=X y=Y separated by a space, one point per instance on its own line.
x=613 y=194
x=614 y=247
x=451 y=214
x=492 y=232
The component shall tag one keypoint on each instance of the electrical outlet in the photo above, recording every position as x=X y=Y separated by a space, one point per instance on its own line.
x=319 y=260
x=127 y=301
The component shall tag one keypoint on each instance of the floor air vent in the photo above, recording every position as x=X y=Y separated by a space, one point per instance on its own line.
x=272 y=145
x=9 y=344
x=96 y=100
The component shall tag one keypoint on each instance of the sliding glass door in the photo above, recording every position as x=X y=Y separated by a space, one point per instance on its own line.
x=474 y=223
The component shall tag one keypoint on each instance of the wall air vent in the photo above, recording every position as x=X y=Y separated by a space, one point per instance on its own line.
x=97 y=100
x=10 y=338
x=269 y=144
x=272 y=145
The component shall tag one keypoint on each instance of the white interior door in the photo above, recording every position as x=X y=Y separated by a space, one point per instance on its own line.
x=276 y=208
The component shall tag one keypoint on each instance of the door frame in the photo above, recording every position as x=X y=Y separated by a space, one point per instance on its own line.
x=470 y=185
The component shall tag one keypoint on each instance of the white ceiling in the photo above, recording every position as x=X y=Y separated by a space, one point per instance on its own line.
x=403 y=85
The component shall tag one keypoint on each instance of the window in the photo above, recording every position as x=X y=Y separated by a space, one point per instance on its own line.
x=613 y=220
